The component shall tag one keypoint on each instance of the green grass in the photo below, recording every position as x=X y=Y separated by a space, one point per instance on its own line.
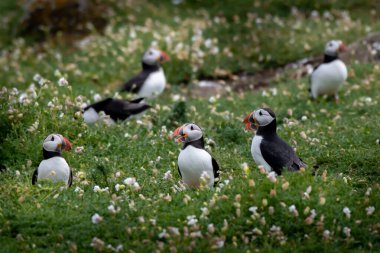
x=342 y=139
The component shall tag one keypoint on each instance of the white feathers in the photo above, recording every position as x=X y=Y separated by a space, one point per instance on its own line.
x=328 y=78
x=195 y=165
x=55 y=169
x=90 y=116
x=256 y=153
x=154 y=85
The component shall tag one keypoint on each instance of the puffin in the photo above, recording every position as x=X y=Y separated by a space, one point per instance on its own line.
x=117 y=109
x=327 y=77
x=268 y=149
x=151 y=81
x=54 y=167
x=196 y=166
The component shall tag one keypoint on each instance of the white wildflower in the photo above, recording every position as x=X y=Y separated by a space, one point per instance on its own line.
x=167 y=175
x=370 y=210
x=63 y=82
x=191 y=220
x=272 y=177
x=97 y=188
x=347 y=231
x=96 y=218
x=347 y=212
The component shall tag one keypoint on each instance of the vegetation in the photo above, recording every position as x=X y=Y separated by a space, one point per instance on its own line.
x=127 y=196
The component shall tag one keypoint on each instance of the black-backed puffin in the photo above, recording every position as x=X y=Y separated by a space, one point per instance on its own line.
x=117 y=109
x=268 y=149
x=195 y=165
x=328 y=77
x=151 y=81
x=54 y=166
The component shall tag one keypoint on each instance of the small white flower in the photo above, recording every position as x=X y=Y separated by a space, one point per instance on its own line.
x=97 y=97
x=96 y=218
x=347 y=231
x=79 y=150
x=17 y=173
x=304 y=118
x=163 y=234
x=63 y=82
x=191 y=220
x=111 y=209
x=370 y=210
x=97 y=188
x=211 y=228
x=253 y=209
x=205 y=211
x=167 y=175
x=272 y=177
x=78 y=190
x=326 y=234
x=130 y=181
x=347 y=212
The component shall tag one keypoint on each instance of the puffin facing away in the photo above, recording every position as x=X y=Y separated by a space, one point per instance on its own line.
x=328 y=77
x=54 y=167
x=151 y=81
x=268 y=149
x=117 y=109
x=195 y=165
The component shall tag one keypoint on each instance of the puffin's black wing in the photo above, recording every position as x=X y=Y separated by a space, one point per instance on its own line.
x=70 y=182
x=278 y=154
x=35 y=176
x=136 y=82
x=100 y=106
x=136 y=101
x=179 y=171
x=215 y=168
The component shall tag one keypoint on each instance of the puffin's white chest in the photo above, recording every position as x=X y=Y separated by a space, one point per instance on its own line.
x=256 y=153
x=90 y=116
x=327 y=78
x=193 y=162
x=55 y=169
x=154 y=85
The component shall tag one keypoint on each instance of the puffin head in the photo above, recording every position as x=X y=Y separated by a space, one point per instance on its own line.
x=333 y=47
x=153 y=56
x=188 y=132
x=259 y=118
x=56 y=143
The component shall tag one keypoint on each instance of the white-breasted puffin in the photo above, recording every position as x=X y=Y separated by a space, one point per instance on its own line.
x=328 y=77
x=151 y=81
x=54 y=166
x=195 y=165
x=117 y=109
x=268 y=149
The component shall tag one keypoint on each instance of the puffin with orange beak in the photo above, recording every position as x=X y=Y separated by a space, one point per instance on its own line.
x=268 y=149
x=54 y=167
x=151 y=81
x=329 y=76
x=195 y=165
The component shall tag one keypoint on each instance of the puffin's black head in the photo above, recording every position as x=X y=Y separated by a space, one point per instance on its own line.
x=188 y=132
x=153 y=57
x=334 y=47
x=56 y=143
x=259 y=118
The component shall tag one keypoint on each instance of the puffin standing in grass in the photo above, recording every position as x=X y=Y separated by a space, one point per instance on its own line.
x=328 y=77
x=117 y=109
x=54 y=167
x=268 y=149
x=151 y=81
x=196 y=166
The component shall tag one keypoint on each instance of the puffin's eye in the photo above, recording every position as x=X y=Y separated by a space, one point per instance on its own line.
x=191 y=128
x=52 y=138
x=330 y=44
x=260 y=113
x=150 y=52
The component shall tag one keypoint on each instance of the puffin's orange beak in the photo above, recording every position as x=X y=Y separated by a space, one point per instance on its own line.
x=67 y=144
x=164 y=57
x=247 y=123
x=342 y=47
x=179 y=132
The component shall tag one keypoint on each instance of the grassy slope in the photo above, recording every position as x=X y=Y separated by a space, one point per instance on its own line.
x=340 y=138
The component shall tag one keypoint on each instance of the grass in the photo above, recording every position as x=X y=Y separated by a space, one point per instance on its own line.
x=341 y=139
